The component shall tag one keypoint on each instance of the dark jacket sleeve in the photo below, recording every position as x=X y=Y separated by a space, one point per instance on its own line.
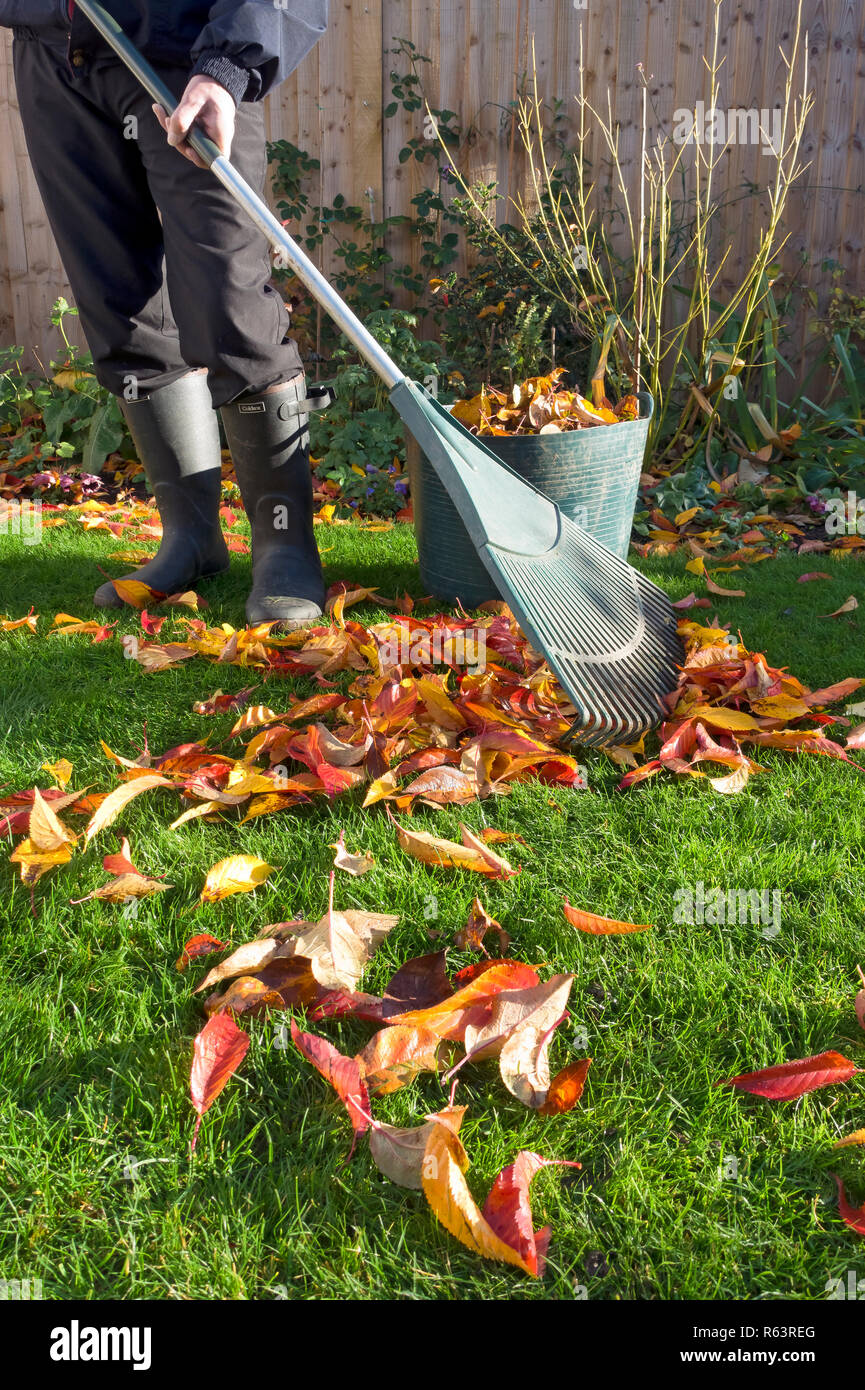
x=251 y=47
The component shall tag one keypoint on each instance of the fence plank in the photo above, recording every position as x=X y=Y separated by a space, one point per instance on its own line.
x=481 y=51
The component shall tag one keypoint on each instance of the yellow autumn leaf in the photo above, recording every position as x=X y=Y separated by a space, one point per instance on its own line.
x=240 y=873
x=114 y=803
x=35 y=862
x=47 y=832
x=61 y=772
x=69 y=378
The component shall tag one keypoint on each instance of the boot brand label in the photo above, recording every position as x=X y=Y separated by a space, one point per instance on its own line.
x=254 y=408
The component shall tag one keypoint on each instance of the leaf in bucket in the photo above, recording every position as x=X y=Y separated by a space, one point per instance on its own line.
x=218 y=1051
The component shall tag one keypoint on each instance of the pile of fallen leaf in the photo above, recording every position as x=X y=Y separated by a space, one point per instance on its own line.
x=728 y=697
x=407 y=734
x=539 y=405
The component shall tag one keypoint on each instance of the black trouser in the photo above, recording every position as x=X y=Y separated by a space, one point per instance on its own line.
x=155 y=297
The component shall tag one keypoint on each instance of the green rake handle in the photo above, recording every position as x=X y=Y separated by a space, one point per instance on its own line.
x=247 y=198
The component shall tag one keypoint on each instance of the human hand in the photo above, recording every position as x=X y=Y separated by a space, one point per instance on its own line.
x=206 y=103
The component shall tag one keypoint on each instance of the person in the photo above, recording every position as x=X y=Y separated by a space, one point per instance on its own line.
x=171 y=278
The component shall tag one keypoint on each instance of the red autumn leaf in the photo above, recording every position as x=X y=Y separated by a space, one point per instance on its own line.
x=419 y=984
x=692 y=602
x=221 y=704
x=794 y=1079
x=854 y=1216
x=151 y=626
x=339 y=1003
x=202 y=945
x=812 y=574
x=508 y=1212
x=566 y=1088
x=218 y=1051
x=639 y=774
x=829 y=694
x=344 y=1075
x=120 y=863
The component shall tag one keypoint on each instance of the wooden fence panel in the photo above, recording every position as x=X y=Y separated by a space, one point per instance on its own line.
x=481 y=51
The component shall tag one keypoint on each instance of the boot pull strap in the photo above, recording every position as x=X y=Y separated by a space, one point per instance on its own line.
x=318 y=398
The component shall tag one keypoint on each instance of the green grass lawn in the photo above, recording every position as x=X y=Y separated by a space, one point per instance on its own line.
x=100 y=1198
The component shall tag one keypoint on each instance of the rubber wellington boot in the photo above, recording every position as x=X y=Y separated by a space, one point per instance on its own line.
x=268 y=436
x=176 y=434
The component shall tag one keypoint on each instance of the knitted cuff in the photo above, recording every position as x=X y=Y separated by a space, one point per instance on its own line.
x=230 y=75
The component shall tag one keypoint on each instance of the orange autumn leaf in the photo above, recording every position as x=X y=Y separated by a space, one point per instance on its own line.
x=600 y=926
x=566 y=1088
x=136 y=594
x=504 y=1230
x=396 y=1055
x=857 y=1137
x=470 y=1005
x=35 y=862
x=218 y=1051
x=473 y=854
x=724 y=593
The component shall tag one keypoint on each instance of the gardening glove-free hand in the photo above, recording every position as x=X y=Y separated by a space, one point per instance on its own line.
x=206 y=103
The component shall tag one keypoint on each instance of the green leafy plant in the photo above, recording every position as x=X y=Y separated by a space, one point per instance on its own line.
x=358 y=442
x=59 y=416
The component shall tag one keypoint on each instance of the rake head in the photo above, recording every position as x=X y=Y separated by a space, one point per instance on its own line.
x=608 y=633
